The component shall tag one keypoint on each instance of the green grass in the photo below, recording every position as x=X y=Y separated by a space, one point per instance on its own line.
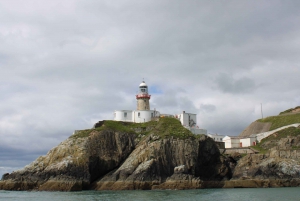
x=164 y=128
x=279 y=121
x=260 y=149
x=291 y=131
x=271 y=141
x=171 y=127
x=81 y=134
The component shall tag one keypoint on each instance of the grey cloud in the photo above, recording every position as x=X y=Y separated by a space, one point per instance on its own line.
x=228 y=84
x=66 y=64
x=207 y=108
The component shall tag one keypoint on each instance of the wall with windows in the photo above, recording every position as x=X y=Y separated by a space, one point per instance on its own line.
x=187 y=119
x=123 y=115
x=140 y=116
x=216 y=137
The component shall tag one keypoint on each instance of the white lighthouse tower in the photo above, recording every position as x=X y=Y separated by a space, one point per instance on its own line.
x=142 y=112
x=143 y=97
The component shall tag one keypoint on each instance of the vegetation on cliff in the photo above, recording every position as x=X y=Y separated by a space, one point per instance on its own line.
x=281 y=120
x=164 y=128
x=290 y=110
x=122 y=155
x=272 y=141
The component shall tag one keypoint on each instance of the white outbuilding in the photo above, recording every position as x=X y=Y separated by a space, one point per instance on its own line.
x=239 y=142
x=232 y=141
x=189 y=121
x=216 y=137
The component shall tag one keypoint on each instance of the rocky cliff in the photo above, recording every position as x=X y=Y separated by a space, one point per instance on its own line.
x=116 y=155
x=277 y=165
x=157 y=155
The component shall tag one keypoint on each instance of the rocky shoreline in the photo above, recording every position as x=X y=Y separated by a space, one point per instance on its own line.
x=114 y=159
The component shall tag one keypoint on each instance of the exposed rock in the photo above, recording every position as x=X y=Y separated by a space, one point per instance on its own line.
x=152 y=162
x=258 y=166
x=74 y=163
x=255 y=128
x=180 y=169
x=180 y=182
x=151 y=157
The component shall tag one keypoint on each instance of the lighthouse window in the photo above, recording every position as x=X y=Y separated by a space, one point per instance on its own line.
x=143 y=90
x=125 y=114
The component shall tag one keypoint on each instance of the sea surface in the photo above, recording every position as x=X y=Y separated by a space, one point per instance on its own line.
x=238 y=194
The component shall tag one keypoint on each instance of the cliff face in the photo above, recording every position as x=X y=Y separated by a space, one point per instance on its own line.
x=124 y=156
x=279 y=166
x=154 y=160
x=156 y=155
x=74 y=163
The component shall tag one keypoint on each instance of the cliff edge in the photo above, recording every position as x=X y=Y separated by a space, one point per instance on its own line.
x=119 y=155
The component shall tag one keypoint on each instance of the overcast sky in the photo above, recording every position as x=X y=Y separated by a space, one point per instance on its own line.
x=68 y=64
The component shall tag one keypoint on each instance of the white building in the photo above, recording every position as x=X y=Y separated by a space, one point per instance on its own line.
x=238 y=142
x=143 y=112
x=231 y=141
x=189 y=121
x=249 y=141
x=216 y=137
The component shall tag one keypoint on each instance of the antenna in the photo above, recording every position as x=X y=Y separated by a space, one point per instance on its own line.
x=262 y=116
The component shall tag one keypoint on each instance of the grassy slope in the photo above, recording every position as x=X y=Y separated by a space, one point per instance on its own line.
x=281 y=120
x=289 y=110
x=165 y=127
x=272 y=140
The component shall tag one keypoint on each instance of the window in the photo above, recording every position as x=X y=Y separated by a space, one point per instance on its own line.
x=143 y=90
x=151 y=114
x=139 y=114
x=125 y=114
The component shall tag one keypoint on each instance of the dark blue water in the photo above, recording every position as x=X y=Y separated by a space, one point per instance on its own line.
x=241 y=194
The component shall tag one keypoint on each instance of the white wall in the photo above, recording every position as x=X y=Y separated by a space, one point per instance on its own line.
x=247 y=142
x=231 y=142
x=186 y=117
x=217 y=138
x=227 y=141
x=141 y=116
x=235 y=143
x=123 y=115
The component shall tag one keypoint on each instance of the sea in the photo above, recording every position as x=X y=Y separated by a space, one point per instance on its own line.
x=235 y=194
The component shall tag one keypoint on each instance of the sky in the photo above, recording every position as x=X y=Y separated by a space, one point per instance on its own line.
x=64 y=65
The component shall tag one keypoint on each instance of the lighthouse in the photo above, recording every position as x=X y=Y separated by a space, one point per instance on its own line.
x=143 y=97
x=142 y=113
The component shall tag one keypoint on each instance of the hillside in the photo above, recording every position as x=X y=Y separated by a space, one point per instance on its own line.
x=287 y=139
x=287 y=117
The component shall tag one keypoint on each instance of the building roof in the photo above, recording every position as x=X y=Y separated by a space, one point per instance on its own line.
x=143 y=84
x=234 y=137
